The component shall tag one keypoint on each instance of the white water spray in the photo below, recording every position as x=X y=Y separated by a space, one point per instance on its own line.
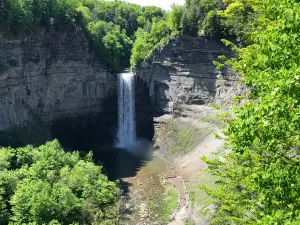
x=126 y=110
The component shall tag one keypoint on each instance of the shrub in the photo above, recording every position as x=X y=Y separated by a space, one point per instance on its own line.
x=259 y=179
x=46 y=185
x=147 y=42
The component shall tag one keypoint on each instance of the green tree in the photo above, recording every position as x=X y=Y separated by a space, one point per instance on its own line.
x=147 y=42
x=211 y=24
x=260 y=176
x=111 y=43
x=109 y=25
x=190 y=18
x=119 y=12
x=197 y=14
x=151 y=12
x=237 y=16
x=175 y=16
x=45 y=185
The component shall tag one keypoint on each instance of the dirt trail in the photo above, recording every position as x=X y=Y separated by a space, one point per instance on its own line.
x=190 y=164
x=188 y=168
x=177 y=183
x=182 y=171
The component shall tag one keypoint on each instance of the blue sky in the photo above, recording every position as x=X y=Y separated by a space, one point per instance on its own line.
x=165 y=4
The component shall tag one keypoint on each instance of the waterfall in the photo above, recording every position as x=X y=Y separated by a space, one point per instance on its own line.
x=126 y=110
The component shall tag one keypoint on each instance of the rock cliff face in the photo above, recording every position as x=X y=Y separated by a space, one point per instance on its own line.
x=182 y=75
x=51 y=76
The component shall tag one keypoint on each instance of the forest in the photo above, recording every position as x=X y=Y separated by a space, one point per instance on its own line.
x=258 y=178
x=122 y=34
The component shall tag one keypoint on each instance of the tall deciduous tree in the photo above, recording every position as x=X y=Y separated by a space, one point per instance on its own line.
x=45 y=185
x=260 y=176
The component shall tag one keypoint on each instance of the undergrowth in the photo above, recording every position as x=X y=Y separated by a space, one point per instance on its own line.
x=180 y=137
x=166 y=205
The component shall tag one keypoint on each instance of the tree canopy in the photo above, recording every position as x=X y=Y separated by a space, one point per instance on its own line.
x=45 y=185
x=260 y=176
x=110 y=25
x=146 y=42
x=115 y=28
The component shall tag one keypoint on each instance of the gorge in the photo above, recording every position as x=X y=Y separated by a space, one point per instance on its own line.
x=203 y=129
x=62 y=80
x=61 y=90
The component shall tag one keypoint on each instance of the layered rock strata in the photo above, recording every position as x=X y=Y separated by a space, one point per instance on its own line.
x=182 y=75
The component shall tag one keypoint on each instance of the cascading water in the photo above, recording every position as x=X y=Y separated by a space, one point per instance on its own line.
x=126 y=110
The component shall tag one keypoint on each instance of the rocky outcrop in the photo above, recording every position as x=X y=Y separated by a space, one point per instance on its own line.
x=50 y=76
x=182 y=74
x=54 y=79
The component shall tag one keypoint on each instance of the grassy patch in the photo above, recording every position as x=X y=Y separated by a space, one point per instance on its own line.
x=211 y=118
x=179 y=137
x=218 y=119
x=197 y=195
x=189 y=222
x=166 y=205
x=214 y=105
x=187 y=136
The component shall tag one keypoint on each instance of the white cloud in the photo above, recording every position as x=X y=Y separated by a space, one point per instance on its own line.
x=165 y=4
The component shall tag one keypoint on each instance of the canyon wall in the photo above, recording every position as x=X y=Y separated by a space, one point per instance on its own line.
x=182 y=76
x=50 y=76
x=54 y=79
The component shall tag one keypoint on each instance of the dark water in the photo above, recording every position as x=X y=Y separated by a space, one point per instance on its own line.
x=121 y=163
